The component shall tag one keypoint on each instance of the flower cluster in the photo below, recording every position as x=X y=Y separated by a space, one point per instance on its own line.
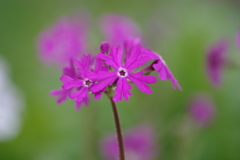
x=122 y=61
x=116 y=68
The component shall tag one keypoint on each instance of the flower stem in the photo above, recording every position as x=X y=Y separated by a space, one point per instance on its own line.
x=118 y=128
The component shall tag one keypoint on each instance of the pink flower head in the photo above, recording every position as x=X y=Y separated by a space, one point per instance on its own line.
x=161 y=67
x=63 y=94
x=202 y=109
x=238 y=39
x=65 y=40
x=118 y=28
x=139 y=144
x=83 y=83
x=123 y=73
x=216 y=61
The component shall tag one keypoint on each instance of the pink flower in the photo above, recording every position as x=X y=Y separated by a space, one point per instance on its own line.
x=238 y=39
x=139 y=144
x=202 y=109
x=63 y=94
x=122 y=73
x=65 y=40
x=117 y=29
x=216 y=61
x=161 y=67
x=83 y=82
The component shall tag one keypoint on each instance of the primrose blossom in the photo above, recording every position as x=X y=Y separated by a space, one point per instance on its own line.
x=123 y=73
x=84 y=82
x=113 y=71
x=63 y=94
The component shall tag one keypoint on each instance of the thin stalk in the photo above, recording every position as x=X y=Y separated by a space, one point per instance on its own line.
x=118 y=128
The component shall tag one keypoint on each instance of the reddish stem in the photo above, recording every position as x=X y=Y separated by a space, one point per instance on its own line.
x=118 y=128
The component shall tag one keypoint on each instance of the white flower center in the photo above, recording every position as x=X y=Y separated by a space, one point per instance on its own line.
x=122 y=72
x=87 y=82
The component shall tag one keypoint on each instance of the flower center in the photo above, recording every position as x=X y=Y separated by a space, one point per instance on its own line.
x=87 y=82
x=122 y=72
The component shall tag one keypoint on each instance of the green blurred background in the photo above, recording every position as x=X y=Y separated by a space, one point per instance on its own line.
x=180 y=31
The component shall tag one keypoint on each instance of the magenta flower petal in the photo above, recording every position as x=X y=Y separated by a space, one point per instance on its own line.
x=78 y=106
x=80 y=94
x=118 y=28
x=139 y=81
x=216 y=61
x=85 y=101
x=61 y=95
x=116 y=57
x=68 y=74
x=84 y=65
x=101 y=74
x=122 y=90
x=70 y=71
x=70 y=82
x=117 y=54
x=144 y=78
x=135 y=59
x=107 y=78
x=98 y=95
x=98 y=65
x=150 y=53
x=108 y=60
x=165 y=73
x=102 y=84
x=161 y=67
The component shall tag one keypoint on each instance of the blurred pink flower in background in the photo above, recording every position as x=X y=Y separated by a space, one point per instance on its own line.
x=65 y=40
x=139 y=144
x=202 y=109
x=238 y=39
x=216 y=61
x=116 y=28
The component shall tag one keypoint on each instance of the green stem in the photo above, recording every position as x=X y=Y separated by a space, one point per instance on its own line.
x=118 y=128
